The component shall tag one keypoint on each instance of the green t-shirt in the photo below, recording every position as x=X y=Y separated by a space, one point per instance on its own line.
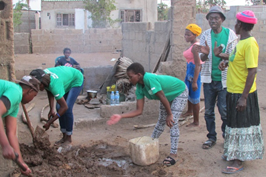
x=13 y=92
x=220 y=38
x=153 y=83
x=63 y=79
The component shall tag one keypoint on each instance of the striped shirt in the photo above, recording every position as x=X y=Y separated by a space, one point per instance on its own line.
x=207 y=66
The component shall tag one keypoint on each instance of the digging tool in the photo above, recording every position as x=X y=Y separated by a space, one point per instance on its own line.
x=55 y=125
x=28 y=121
x=24 y=120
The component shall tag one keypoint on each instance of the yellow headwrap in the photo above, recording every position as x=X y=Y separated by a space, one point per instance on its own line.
x=195 y=29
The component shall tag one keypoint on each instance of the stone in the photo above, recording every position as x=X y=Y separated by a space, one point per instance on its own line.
x=144 y=150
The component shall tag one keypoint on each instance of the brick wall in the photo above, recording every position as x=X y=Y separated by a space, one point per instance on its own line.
x=21 y=43
x=26 y=18
x=92 y=40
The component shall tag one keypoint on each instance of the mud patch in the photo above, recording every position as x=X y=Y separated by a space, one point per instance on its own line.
x=100 y=159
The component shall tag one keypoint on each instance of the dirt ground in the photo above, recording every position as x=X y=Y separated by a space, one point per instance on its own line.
x=102 y=150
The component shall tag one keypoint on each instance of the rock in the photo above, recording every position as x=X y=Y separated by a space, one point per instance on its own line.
x=144 y=150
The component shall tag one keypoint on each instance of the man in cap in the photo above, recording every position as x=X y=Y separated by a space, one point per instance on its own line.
x=216 y=44
x=11 y=94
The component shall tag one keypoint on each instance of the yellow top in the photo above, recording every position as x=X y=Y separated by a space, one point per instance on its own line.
x=244 y=56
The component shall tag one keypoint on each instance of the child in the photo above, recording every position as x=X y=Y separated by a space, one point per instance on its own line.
x=172 y=94
x=63 y=84
x=11 y=94
x=192 y=79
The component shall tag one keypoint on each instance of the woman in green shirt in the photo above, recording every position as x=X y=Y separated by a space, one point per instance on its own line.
x=171 y=92
x=64 y=85
x=11 y=95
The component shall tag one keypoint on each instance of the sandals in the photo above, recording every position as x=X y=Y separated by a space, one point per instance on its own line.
x=170 y=161
x=208 y=144
x=231 y=170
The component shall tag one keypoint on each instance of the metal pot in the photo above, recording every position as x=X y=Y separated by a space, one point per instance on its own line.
x=91 y=94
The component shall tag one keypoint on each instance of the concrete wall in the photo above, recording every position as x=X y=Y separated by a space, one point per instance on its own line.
x=143 y=45
x=92 y=40
x=258 y=31
x=21 y=43
x=28 y=22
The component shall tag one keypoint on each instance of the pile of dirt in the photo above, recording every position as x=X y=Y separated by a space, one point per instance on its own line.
x=100 y=159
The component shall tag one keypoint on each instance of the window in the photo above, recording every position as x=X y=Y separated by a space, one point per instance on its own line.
x=130 y=15
x=65 y=19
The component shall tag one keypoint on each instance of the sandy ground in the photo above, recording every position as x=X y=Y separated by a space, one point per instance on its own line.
x=192 y=159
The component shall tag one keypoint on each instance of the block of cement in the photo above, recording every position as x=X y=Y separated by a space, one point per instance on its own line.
x=144 y=150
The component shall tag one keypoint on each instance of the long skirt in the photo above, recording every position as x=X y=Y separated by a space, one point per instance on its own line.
x=243 y=133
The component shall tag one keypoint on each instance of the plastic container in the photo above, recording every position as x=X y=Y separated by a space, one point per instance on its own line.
x=117 y=97
x=112 y=98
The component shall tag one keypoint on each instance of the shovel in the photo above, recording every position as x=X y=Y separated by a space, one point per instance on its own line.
x=40 y=138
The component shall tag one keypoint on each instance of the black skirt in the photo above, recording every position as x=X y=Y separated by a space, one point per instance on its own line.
x=240 y=119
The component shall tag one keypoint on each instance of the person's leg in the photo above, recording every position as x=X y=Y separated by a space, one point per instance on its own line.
x=62 y=123
x=195 y=123
x=210 y=95
x=188 y=80
x=177 y=106
x=194 y=99
x=221 y=103
x=189 y=110
x=159 y=127
x=72 y=96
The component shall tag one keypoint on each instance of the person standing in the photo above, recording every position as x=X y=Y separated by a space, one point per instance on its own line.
x=11 y=95
x=243 y=133
x=192 y=79
x=215 y=45
x=64 y=85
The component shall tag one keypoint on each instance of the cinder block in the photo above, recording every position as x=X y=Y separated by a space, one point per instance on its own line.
x=144 y=150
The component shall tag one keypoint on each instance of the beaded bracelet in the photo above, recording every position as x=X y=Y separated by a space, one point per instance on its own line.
x=58 y=114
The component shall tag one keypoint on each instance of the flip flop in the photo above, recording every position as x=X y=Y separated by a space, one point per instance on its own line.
x=208 y=144
x=170 y=160
x=232 y=170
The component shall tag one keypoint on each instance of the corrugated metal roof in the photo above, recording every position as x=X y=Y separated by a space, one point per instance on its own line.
x=62 y=0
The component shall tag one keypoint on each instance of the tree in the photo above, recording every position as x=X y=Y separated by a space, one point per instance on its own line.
x=215 y=3
x=258 y=2
x=100 y=12
x=162 y=11
x=205 y=5
x=17 y=8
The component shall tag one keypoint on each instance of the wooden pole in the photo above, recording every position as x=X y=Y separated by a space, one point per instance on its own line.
x=28 y=120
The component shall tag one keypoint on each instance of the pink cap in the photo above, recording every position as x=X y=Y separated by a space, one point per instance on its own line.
x=247 y=16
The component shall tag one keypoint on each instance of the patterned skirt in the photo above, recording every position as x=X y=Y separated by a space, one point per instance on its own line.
x=243 y=133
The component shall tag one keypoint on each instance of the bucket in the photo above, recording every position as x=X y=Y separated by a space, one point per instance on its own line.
x=91 y=94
